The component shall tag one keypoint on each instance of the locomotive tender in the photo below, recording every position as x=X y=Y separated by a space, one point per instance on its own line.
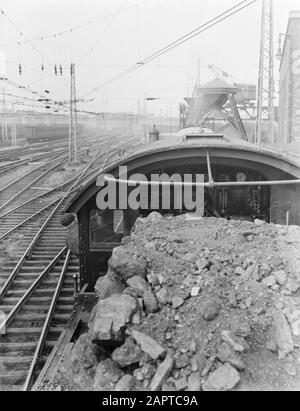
x=242 y=181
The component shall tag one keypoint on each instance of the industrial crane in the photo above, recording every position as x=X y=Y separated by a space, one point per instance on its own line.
x=222 y=75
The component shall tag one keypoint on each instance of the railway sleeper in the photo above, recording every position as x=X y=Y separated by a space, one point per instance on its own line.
x=21 y=363
x=17 y=348
x=46 y=253
x=32 y=269
x=20 y=348
x=11 y=388
x=46 y=283
x=39 y=308
x=41 y=292
x=37 y=300
x=47 y=247
x=20 y=319
x=29 y=334
x=12 y=377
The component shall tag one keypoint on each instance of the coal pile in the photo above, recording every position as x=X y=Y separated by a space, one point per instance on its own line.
x=209 y=305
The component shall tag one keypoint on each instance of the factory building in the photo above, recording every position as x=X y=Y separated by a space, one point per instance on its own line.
x=289 y=104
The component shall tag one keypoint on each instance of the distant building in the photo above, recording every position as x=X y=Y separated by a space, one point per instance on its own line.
x=289 y=104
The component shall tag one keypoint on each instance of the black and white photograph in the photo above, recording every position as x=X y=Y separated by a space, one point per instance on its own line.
x=149 y=198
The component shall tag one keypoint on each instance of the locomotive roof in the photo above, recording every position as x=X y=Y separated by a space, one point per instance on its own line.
x=185 y=140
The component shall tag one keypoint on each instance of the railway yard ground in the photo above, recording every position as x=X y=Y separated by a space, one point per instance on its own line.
x=205 y=305
x=149 y=199
x=37 y=270
x=210 y=305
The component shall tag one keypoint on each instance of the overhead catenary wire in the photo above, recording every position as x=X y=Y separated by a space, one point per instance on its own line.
x=175 y=44
x=32 y=46
x=41 y=38
x=62 y=32
x=20 y=32
x=114 y=16
x=58 y=105
x=195 y=31
x=41 y=99
x=221 y=17
x=202 y=28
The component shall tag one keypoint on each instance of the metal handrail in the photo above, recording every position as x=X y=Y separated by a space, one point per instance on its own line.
x=210 y=184
x=47 y=324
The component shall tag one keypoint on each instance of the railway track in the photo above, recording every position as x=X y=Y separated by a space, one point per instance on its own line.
x=37 y=284
x=32 y=182
x=11 y=165
x=13 y=157
x=22 y=188
x=14 y=154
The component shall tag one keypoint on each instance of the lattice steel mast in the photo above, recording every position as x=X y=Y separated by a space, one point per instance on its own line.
x=73 y=120
x=13 y=127
x=265 y=97
x=4 y=128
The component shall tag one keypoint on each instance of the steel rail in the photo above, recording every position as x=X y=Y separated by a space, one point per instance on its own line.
x=26 y=220
x=28 y=293
x=36 y=283
x=31 y=217
x=9 y=152
x=35 y=148
x=18 y=163
x=47 y=323
x=16 y=227
x=37 y=236
x=53 y=189
x=27 y=253
x=27 y=174
x=25 y=256
x=51 y=151
x=31 y=183
x=110 y=155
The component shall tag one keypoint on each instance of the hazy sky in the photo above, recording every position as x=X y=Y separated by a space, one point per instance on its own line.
x=135 y=30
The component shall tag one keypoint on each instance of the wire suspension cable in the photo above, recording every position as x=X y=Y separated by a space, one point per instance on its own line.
x=32 y=46
x=204 y=27
x=114 y=16
x=60 y=33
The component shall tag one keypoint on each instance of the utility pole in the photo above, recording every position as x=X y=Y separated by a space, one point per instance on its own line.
x=13 y=127
x=265 y=93
x=73 y=120
x=198 y=74
x=13 y=133
x=4 y=132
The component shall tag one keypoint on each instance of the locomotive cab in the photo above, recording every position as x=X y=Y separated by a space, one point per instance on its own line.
x=241 y=181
